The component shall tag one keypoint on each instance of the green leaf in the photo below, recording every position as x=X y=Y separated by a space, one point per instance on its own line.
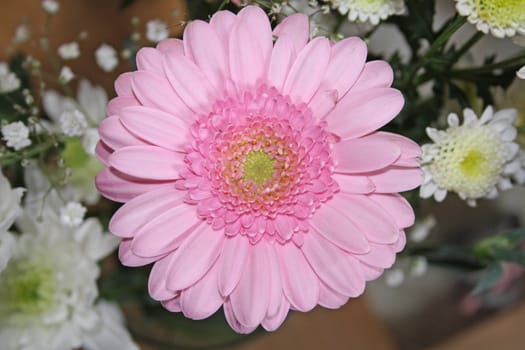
x=490 y=277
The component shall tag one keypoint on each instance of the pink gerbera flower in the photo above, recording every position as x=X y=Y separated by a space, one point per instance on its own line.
x=251 y=170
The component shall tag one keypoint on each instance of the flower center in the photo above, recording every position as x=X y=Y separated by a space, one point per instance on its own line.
x=504 y=13
x=258 y=167
x=473 y=163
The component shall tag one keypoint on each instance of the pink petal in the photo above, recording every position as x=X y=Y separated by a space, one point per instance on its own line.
x=409 y=149
x=203 y=298
x=364 y=155
x=295 y=26
x=272 y=323
x=234 y=322
x=103 y=151
x=155 y=91
x=375 y=74
x=150 y=59
x=157 y=127
x=360 y=113
x=284 y=226
x=380 y=256
x=157 y=279
x=276 y=291
x=173 y=304
x=171 y=45
x=123 y=84
x=251 y=296
x=128 y=258
x=354 y=183
x=118 y=103
x=147 y=162
x=250 y=47
x=166 y=232
x=300 y=283
x=143 y=208
x=204 y=47
x=307 y=71
x=331 y=265
x=194 y=257
x=115 y=136
x=223 y=22
x=120 y=187
x=398 y=208
x=232 y=261
x=370 y=272
x=331 y=299
x=396 y=179
x=369 y=217
x=335 y=224
x=189 y=82
x=400 y=244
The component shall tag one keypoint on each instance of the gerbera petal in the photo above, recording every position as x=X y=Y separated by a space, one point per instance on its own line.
x=204 y=47
x=120 y=187
x=331 y=265
x=118 y=103
x=143 y=208
x=251 y=296
x=364 y=212
x=354 y=183
x=194 y=257
x=271 y=323
x=376 y=74
x=307 y=71
x=250 y=47
x=171 y=45
x=115 y=136
x=370 y=272
x=166 y=232
x=189 y=82
x=364 y=155
x=233 y=321
x=223 y=22
x=203 y=298
x=128 y=258
x=300 y=283
x=157 y=279
x=123 y=84
x=150 y=59
x=276 y=292
x=380 y=256
x=396 y=179
x=232 y=261
x=360 y=113
x=397 y=206
x=329 y=298
x=172 y=304
x=103 y=151
x=147 y=162
x=155 y=91
x=295 y=26
x=155 y=126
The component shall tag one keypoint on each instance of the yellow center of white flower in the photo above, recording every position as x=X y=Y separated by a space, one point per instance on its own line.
x=501 y=13
x=470 y=161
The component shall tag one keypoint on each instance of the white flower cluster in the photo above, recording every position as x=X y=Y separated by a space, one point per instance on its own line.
x=473 y=159
x=156 y=30
x=16 y=135
x=8 y=80
x=48 y=273
x=69 y=51
x=106 y=57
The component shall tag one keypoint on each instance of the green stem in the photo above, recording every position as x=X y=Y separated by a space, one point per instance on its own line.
x=488 y=68
x=471 y=42
x=13 y=157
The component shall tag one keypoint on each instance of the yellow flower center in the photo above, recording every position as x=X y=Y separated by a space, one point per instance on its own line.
x=258 y=167
x=503 y=13
x=473 y=163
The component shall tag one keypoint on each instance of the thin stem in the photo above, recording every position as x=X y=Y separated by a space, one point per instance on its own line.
x=513 y=61
x=471 y=42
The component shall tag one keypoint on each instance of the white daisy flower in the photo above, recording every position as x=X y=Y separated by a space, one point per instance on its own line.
x=16 y=135
x=69 y=51
x=473 y=159
x=369 y=10
x=8 y=80
x=106 y=57
x=499 y=17
x=156 y=30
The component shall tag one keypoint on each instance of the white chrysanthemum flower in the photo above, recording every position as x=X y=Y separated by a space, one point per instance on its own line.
x=499 y=17
x=22 y=34
x=50 y=6
x=16 y=135
x=369 y=10
x=73 y=123
x=69 y=51
x=48 y=289
x=106 y=57
x=66 y=75
x=8 y=80
x=72 y=214
x=156 y=30
x=9 y=203
x=473 y=159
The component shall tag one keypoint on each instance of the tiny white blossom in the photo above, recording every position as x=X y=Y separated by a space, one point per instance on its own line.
x=50 y=6
x=106 y=57
x=22 y=34
x=419 y=232
x=89 y=141
x=156 y=30
x=8 y=80
x=16 y=135
x=73 y=123
x=69 y=51
x=66 y=75
x=419 y=266
x=72 y=214
x=521 y=73
x=394 y=277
